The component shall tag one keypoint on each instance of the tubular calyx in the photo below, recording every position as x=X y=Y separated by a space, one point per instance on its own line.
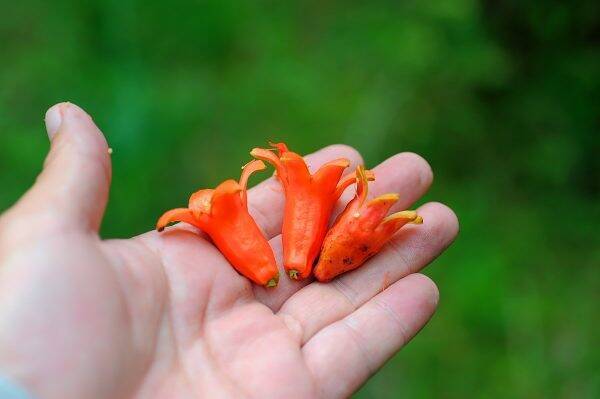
x=223 y=214
x=360 y=231
x=308 y=205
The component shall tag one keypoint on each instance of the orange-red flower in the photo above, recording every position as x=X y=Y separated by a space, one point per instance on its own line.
x=223 y=214
x=360 y=231
x=309 y=202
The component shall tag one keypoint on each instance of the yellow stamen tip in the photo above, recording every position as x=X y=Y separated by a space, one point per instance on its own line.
x=385 y=198
x=407 y=214
x=410 y=215
x=293 y=274
x=370 y=175
x=272 y=282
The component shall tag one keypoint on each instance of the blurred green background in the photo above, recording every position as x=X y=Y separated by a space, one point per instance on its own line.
x=502 y=98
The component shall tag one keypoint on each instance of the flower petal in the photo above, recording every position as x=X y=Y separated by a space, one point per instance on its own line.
x=395 y=221
x=199 y=202
x=176 y=215
x=226 y=201
x=270 y=157
x=247 y=171
x=351 y=179
x=297 y=172
x=281 y=147
x=328 y=175
x=362 y=184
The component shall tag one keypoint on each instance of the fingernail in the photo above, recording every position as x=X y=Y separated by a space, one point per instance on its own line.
x=53 y=120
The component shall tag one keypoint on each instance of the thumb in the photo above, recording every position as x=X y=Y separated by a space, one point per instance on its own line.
x=73 y=186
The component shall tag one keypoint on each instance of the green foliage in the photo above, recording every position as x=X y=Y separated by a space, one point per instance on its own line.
x=501 y=97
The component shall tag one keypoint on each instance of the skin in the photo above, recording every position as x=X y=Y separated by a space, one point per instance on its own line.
x=165 y=316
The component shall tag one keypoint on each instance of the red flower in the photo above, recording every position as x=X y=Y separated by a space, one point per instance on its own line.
x=360 y=231
x=309 y=202
x=223 y=214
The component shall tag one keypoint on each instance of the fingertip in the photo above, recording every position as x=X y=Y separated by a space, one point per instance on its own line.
x=418 y=163
x=346 y=149
x=424 y=166
x=445 y=221
x=65 y=113
x=77 y=168
x=343 y=151
x=429 y=289
x=53 y=120
x=414 y=298
x=78 y=127
x=72 y=112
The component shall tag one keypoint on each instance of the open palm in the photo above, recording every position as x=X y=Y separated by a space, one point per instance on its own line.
x=165 y=316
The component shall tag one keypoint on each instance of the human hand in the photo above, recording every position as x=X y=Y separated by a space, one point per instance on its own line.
x=165 y=316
